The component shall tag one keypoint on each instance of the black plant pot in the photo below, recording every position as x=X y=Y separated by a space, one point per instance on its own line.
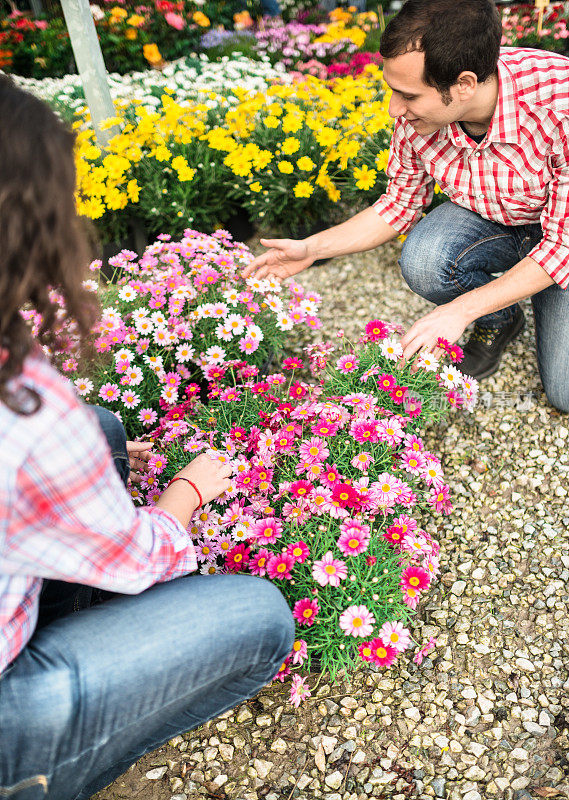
x=239 y=226
x=136 y=240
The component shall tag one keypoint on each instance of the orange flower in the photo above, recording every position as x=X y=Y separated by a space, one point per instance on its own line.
x=242 y=20
x=131 y=33
x=5 y=58
x=200 y=19
x=152 y=54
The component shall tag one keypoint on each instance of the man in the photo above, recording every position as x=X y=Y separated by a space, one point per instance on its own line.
x=491 y=128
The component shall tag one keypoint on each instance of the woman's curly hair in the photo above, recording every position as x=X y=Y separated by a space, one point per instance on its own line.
x=42 y=245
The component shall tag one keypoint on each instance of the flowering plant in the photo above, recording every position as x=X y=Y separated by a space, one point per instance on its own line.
x=181 y=314
x=520 y=27
x=328 y=488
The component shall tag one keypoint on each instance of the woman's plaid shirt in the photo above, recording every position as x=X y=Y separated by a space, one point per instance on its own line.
x=65 y=514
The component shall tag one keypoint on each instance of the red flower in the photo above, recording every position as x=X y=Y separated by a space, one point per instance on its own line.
x=237 y=558
x=345 y=495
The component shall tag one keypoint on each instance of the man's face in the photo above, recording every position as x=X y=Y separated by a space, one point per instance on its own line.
x=421 y=105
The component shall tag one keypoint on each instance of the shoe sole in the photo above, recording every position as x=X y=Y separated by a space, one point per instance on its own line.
x=496 y=367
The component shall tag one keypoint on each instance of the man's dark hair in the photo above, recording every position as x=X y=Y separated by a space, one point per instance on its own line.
x=454 y=35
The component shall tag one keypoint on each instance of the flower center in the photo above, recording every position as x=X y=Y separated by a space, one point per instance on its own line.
x=330 y=569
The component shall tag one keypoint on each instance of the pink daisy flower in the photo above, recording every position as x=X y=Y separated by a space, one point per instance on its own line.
x=299 y=551
x=266 y=531
x=279 y=566
x=284 y=670
x=354 y=538
x=299 y=691
x=324 y=428
x=258 y=562
x=329 y=570
x=157 y=463
x=384 y=490
x=248 y=344
x=313 y=450
x=365 y=651
x=390 y=431
x=347 y=363
x=109 y=392
x=362 y=461
x=331 y=475
x=395 y=635
x=415 y=578
x=439 y=499
x=130 y=399
x=357 y=621
x=230 y=395
x=147 y=416
x=300 y=488
x=299 y=651
x=305 y=611
x=382 y=654
x=413 y=462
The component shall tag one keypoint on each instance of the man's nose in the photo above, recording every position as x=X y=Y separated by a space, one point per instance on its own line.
x=396 y=106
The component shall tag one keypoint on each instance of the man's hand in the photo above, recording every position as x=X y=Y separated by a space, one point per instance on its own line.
x=285 y=258
x=448 y=321
x=138 y=456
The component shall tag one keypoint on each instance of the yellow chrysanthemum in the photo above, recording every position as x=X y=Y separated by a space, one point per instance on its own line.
x=303 y=189
x=306 y=164
x=286 y=167
x=365 y=177
x=290 y=146
x=255 y=186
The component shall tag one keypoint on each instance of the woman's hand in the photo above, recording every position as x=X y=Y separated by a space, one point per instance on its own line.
x=285 y=258
x=210 y=476
x=138 y=457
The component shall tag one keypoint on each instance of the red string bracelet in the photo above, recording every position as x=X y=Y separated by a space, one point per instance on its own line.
x=192 y=484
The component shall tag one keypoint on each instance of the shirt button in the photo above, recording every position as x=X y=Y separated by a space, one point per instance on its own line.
x=477 y=154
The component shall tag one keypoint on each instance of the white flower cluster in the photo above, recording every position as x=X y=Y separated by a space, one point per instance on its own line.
x=186 y=80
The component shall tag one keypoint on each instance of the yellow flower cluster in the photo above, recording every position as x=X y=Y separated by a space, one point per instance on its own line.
x=302 y=137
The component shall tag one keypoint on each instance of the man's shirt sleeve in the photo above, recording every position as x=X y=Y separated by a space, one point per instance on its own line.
x=552 y=252
x=410 y=188
x=73 y=519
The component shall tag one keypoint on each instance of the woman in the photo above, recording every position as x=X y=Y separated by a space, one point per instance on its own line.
x=83 y=695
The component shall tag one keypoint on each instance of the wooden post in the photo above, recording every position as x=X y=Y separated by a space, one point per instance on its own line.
x=89 y=60
x=541 y=5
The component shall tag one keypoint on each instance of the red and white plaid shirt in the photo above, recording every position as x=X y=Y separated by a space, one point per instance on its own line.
x=519 y=173
x=65 y=514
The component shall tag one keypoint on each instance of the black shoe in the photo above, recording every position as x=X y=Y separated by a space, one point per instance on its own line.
x=483 y=351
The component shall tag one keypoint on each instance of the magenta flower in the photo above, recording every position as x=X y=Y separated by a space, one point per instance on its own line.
x=237 y=558
x=305 y=611
x=299 y=651
x=364 y=431
x=258 y=562
x=157 y=463
x=266 y=531
x=357 y=621
x=386 y=382
x=424 y=651
x=362 y=460
x=376 y=330
x=279 y=566
x=299 y=551
x=329 y=570
x=439 y=499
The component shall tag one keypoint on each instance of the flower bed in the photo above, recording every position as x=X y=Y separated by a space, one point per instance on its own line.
x=331 y=480
x=177 y=316
x=288 y=156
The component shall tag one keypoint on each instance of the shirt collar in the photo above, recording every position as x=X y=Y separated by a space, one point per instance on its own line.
x=505 y=124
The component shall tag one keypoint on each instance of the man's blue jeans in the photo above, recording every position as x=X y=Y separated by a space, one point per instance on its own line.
x=453 y=250
x=95 y=690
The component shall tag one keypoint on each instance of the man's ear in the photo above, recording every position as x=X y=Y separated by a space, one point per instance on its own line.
x=466 y=84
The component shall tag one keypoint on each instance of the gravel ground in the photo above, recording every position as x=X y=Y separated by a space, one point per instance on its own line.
x=487 y=714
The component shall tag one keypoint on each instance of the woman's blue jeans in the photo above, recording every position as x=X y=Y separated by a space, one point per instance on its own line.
x=95 y=690
x=453 y=250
